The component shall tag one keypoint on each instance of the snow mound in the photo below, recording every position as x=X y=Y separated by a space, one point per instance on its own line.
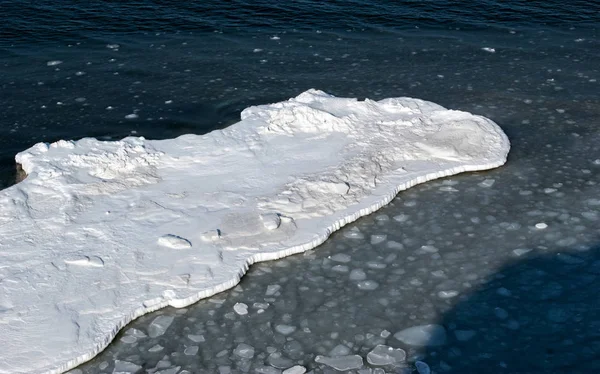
x=100 y=233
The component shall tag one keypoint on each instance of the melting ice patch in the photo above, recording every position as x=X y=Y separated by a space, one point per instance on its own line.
x=100 y=233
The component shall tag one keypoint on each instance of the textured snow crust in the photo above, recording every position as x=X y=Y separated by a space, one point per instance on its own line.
x=101 y=232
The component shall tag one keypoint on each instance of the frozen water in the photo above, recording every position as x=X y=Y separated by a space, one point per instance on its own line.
x=339 y=350
x=152 y=223
x=341 y=257
x=244 y=350
x=341 y=363
x=191 y=350
x=197 y=338
x=354 y=234
x=367 y=285
x=358 y=275
x=241 y=309
x=285 y=329
x=124 y=367
x=267 y=370
x=376 y=239
x=297 y=369
x=272 y=289
x=431 y=335
x=159 y=326
x=383 y=355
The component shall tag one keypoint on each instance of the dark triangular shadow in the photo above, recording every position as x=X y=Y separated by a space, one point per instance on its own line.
x=540 y=314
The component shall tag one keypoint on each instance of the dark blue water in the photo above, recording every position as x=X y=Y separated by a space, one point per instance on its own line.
x=49 y=20
x=71 y=69
x=211 y=59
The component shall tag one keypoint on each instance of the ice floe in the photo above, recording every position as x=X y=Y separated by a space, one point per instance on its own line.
x=101 y=232
x=383 y=355
x=424 y=335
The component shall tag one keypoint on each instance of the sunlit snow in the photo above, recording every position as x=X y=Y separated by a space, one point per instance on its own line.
x=100 y=233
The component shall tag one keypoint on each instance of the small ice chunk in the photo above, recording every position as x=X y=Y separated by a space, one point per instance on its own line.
x=339 y=350
x=267 y=370
x=275 y=38
x=136 y=333
x=464 y=335
x=395 y=245
x=541 y=225
x=382 y=218
x=131 y=116
x=54 y=63
x=241 y=309
x=521 y=251
x=174 y=241
x=112 y=46
x=128 y=339
x=447 y=294
x=340 y=268
x=422 y=368
x=341 y=257
x=271 y=221
x=376 y=239
x=196 y=338
x=429 y=249
x=295 y=370
x=423 y=335
x=376 y=265
x=256 y=50
x=285 y=329
x=401 y=218
x=488 y=49
x=122 y=367
x=244 y=350
x=342 y=363
x=367 y=285
x=159 y=326
x=272 y=289
x=191 y=351
x=358 y=275
x=487 y=183
x=173 y=370
x=383 y=355
x=354 y=233
x=155 y=348
x=277 y=360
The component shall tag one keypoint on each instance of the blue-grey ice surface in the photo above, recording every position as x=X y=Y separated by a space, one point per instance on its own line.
x=504 y=261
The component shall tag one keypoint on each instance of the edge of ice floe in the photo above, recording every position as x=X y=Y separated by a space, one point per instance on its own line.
x=261 y=257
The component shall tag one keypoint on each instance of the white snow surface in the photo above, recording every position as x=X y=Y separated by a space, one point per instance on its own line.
x=102 y=232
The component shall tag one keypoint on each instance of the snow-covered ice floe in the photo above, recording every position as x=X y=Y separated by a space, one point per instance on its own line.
x=101 y=232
